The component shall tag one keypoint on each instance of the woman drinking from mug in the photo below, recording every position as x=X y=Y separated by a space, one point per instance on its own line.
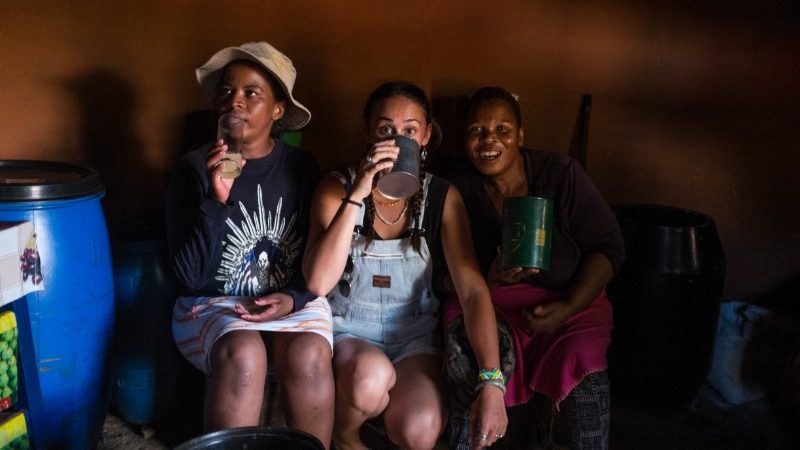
x=375 y=256
x=559 y=319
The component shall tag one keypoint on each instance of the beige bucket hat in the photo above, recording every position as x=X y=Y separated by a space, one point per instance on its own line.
x=273 y=61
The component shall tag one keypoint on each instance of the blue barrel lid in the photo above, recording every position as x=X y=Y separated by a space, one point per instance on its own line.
x=25 y=180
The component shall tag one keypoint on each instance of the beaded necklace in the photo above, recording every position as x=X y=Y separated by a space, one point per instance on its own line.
x=378 y=201
x=395 y=221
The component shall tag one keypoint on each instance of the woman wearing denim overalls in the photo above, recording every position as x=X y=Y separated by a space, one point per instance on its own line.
x=374 y=257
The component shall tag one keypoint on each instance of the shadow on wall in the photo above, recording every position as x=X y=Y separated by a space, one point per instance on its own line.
x=783 y=297
x=450 y=112
x=110 y=144
x=197 y=128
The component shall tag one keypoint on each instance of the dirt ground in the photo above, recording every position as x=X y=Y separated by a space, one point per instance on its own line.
x=119 y=435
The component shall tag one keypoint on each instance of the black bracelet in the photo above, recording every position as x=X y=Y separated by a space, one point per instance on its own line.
x=352 y=202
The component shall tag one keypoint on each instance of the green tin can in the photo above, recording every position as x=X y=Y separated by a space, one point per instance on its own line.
x=527 y=232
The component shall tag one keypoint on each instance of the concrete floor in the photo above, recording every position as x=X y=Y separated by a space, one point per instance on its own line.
x=706 y=423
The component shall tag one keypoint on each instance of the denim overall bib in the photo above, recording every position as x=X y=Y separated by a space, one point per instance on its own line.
x=390 y=302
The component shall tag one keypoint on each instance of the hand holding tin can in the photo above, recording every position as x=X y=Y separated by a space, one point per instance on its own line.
x=527 y=232
x=403 y=180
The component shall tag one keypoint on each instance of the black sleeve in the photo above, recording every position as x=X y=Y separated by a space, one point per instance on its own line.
x=300 y=295
x=195 y=222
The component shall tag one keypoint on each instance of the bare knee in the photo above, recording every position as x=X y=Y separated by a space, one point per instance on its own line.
x=305 y=358
x=417 y=429
x=364 y=383
x=240 y=359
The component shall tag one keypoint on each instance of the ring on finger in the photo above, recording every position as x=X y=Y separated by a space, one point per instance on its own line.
x=499 y=436
x=482 y=437
x=369 y=159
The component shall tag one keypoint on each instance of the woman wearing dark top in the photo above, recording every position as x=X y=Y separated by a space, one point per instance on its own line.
x=560 y=319
x=236 y=245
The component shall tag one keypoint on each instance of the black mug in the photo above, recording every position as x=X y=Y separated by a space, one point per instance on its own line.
x=403 y=180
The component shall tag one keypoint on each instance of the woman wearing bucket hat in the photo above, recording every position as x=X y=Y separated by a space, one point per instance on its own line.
x=236 y=246
x=375 y=256
x=559 y=319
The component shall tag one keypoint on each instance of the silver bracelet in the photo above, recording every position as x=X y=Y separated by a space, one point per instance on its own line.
x=496 y=383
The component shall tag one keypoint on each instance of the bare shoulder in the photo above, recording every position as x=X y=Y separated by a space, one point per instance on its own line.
x=453 y=203
x=331 y=186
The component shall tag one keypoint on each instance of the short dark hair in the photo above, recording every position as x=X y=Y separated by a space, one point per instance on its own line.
x=492 y=94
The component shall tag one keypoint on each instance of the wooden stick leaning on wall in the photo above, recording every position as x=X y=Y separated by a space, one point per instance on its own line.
x=580 y=136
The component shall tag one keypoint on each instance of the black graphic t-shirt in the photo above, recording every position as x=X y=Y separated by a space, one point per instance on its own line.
x=252 y=245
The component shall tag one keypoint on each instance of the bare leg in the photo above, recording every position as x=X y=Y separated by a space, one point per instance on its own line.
x=302 y=362
x=236 y=384
x=415 y=417
x=364 y=376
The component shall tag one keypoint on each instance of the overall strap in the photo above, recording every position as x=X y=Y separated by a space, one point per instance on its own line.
x=348 y=185
x=417 y=222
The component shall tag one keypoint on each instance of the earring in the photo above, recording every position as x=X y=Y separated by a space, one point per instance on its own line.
x=424 y=153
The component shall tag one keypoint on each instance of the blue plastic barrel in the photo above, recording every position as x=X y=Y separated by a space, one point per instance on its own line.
x=152 y=383
x=65 y=330
x=144 y=292
x=133 y=391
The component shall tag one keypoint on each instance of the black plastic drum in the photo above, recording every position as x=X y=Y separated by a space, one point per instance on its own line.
x=666 y=303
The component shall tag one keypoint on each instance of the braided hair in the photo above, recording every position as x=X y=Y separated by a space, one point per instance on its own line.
x=417 y=95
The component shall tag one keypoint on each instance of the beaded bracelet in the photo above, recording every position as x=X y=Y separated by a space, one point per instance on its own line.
x=352 y=202
x=491 y=374
x=496 y=383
